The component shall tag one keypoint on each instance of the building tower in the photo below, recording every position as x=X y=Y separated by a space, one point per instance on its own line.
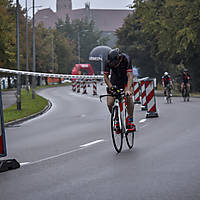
x=63 y=7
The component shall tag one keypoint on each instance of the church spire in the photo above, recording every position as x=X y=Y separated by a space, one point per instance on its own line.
x=63 y=5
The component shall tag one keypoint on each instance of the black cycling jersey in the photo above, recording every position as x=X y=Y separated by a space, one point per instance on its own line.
x=166 y=80
x=119 y=74
x=185 y=78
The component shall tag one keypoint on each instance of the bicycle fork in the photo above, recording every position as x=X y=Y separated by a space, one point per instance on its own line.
x=123 y=114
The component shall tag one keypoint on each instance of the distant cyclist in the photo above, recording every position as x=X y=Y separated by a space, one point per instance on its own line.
x=166 y=82
x=185 y=81
x=119 y=66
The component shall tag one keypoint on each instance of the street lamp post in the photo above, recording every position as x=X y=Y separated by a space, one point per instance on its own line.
x=27 y=88
x=18 y=58
x=52 y=56
x=33 y=46
x=79 y=45
x=27 y=65
x=79 y=52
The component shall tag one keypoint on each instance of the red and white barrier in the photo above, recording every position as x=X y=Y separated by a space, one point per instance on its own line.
x=136 y=92
x=94 y=88
x=143 y=95
x=84 y=87
x=74 y=85
x=88 y=82
x=151 y=100
x=77 y=86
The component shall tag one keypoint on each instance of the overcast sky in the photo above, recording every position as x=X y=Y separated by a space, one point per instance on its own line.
x=106 y=4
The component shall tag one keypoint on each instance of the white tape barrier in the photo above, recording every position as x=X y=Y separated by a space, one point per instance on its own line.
x=27 y=73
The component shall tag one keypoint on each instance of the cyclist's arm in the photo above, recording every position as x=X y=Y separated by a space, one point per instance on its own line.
x=129 y=73
x=106 y=74
x=163 y=83
x=170 y=82
x=107 y=80
x=130 y=80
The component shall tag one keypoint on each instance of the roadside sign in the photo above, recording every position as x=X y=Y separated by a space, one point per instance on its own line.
x=3 y=151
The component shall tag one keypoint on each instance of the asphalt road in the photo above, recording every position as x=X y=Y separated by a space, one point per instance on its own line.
x=67 y=153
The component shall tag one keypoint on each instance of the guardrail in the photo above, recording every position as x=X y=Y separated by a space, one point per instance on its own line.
x=67 y=76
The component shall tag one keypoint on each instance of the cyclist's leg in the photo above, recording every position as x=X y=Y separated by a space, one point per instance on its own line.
x=165 y=91
x=188 y=88
x=110 y=103
x=130 y=106
x=182 y=88
x=188 y=91
x=130 y=110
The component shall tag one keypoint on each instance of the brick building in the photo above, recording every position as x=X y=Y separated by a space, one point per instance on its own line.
x=106 y=20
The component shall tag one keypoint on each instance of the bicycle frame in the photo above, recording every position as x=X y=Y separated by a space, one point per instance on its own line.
x=168 y=90
x=186 y=92
x=119 y=112
x=122 y=106
x=121 y=103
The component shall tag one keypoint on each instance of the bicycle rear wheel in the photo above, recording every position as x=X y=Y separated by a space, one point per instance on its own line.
x=117 y=137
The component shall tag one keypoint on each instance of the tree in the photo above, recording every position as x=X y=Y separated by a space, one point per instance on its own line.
x=48 y=40
x=167 y=31
x=81 y=32
x=7 y=35
x=65 y=53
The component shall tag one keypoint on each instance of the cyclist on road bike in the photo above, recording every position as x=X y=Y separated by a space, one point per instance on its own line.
x=166 y=82
x=119 y=65
x=185 y=81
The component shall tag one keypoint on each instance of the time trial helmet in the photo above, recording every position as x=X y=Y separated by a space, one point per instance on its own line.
x=114 y=57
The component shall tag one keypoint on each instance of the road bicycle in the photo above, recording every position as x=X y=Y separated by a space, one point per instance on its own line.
x=186 y=93
x=169 y=94
x=119 y=119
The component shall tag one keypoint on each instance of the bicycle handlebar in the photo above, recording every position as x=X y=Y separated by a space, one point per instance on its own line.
x=116 y=94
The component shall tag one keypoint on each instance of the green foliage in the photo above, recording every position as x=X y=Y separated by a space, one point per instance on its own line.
x=83 y=30
x=7 y=35
x=162 y=34
x=65 y=53
x=51 y=44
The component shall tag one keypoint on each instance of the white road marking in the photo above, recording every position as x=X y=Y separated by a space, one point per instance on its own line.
x=83 y=115
x=24 y=163
x=142 y=120
x=91 y=143
x=144 y=126
x=62 y=154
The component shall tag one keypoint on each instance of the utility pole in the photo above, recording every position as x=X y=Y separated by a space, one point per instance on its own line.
x=27 y=79
x=52 y=56
x=79 y=52
x=33 y=46
x=18 y=59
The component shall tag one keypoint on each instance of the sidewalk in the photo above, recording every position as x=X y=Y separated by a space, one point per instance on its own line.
x=8 y=98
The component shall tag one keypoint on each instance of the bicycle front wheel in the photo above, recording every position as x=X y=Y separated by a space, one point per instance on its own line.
x=129 y=136
x=117 y=135
x=130 y=139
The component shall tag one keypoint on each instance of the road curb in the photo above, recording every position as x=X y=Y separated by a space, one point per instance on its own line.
x=161 y=94
x=18 y=121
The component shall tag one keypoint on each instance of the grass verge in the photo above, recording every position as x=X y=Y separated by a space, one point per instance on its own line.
x=29 y=106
